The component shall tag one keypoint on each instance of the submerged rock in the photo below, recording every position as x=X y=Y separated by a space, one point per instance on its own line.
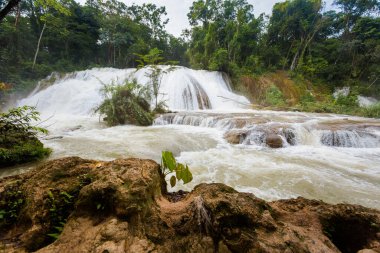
x=274 y=141
x=123 y=206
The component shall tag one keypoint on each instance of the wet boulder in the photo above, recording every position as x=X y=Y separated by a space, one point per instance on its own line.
x=274 y=141
x=235 y=137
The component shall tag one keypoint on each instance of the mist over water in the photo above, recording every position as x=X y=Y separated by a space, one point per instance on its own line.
x=329 y=157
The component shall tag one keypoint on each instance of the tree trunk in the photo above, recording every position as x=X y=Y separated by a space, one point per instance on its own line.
x=307 y=43
x=8 y=8
x=17 y=15
x=295 y=60
x=287 y=55
x=114 y=55
x=38 y=45
x=109 y=53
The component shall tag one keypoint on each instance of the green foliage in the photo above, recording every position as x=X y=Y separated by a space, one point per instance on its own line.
x=155 y=73
x=170 y=165
x=11 y=202
x=346 y=105
x=17 y=122
x=219 y=61
x=18 y=137
x=29 y=150
x=60 y=204
x=79 y=36
x=152 y=58
x=274 y=96
x=225 y=35
x=307 y=98
x=348 y=101
x=334 y=46
x=126 y=104
x=372 y=111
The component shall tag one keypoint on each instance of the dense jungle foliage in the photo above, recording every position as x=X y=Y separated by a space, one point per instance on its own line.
x=302 y=38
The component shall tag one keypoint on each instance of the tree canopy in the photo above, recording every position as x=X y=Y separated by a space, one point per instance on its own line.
x=336 y=46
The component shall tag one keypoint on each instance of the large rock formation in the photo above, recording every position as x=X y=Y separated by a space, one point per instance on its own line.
x=123 y=206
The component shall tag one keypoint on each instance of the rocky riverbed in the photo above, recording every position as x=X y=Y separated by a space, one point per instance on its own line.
x=78 y=205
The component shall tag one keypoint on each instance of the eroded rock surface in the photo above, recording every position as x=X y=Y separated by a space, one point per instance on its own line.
x=123 y=206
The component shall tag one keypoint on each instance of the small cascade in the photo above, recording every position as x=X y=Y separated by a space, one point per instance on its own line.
x=258 y=135
x=251 y=129
x=219 y=121
x=248 y=130
x=350 y=139
x=367 y=101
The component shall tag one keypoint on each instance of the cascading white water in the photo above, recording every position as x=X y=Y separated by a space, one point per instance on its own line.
x=330 y=157
x=181 y=89
x=254 y=129
x=367 y=101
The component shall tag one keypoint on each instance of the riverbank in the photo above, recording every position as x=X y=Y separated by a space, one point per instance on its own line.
x=77 y=205
x=287 y=91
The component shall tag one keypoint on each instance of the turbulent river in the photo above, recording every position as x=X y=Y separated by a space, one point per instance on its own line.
x=334 y=158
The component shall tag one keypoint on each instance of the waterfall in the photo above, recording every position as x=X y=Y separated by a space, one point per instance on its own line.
x=204 y=99
x=78 y=93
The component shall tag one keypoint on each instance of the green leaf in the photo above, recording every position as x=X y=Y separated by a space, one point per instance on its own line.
x=50 y=194
x=55 y=235
x=179 y=170
x=168 y=161
x=66 y=195
x=59 y=229
x=173 y=181
x=187 y=177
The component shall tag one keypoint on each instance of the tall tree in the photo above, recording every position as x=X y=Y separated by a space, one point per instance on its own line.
x=47 y=10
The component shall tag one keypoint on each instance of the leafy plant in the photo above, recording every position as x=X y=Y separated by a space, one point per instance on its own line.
x=347 y=101
x=126 y=104
x=274 y=96
x=372 y=111
x=17 y=121
x=155 y=72
x=11 y=202
x=170 y=165
x=60 y=205
x=18 y=137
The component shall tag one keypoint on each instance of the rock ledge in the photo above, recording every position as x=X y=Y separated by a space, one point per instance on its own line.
x=122 y=206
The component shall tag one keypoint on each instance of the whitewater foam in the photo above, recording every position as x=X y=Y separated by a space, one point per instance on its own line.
x=181 y=89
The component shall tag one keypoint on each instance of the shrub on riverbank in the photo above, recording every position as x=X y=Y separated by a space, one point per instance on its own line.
x=372 y=111
x=18 y=138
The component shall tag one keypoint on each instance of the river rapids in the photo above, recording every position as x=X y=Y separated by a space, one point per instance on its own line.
x=335 y=158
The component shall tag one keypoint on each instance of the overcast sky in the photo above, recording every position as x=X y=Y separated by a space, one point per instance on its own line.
x=177 y=11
